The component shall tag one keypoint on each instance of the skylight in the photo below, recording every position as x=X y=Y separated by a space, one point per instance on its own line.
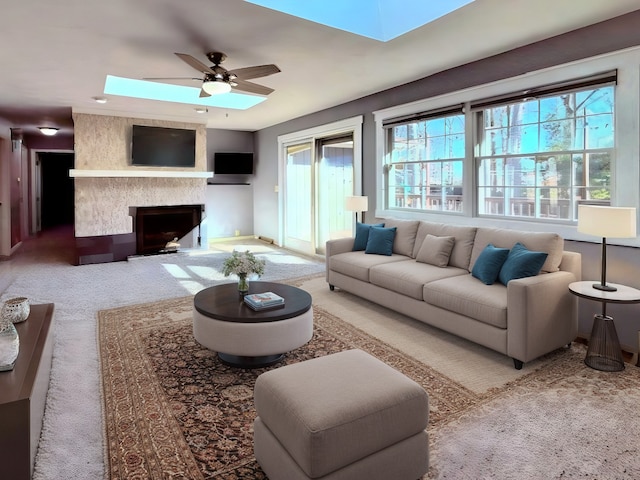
x=381 y=20
x=129 y=87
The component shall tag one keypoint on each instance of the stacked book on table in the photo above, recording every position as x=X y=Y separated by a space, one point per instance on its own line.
x=262 y=301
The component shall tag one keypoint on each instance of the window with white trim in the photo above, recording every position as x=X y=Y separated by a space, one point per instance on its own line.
x=533 y=154
x=426 y=157
x=538 y=157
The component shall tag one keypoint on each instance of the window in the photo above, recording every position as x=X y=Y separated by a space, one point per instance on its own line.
x=426 y=158
x=540 y=157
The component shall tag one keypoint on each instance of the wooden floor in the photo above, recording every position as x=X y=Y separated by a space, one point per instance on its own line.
x=54 y=244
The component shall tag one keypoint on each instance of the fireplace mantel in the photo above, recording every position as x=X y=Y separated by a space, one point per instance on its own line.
x=86 y=173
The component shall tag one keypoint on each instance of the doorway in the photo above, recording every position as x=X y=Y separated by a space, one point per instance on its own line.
x=319 y=168
x=55 y=203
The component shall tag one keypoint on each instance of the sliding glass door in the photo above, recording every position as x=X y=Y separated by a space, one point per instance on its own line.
x=318 y=178
x=299 y=205
x=334 y=184
x=319 y=169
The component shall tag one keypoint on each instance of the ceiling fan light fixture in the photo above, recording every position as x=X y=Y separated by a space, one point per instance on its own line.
x=216 y=87
x=48 y=131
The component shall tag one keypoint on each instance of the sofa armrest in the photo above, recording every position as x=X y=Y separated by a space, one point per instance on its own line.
x=542 y=315
x=339 y=245
x=334 y=247
x=572 y=262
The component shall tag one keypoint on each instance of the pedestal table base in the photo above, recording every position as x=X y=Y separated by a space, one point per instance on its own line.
x=604 y=352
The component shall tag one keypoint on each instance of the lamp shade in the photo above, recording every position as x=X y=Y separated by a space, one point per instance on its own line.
x=610 y=222
x=216 y=87
x=356 y=204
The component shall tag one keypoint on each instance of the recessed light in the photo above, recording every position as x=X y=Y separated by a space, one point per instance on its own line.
x=100 y=99
x=49 y=131
x=201 y=110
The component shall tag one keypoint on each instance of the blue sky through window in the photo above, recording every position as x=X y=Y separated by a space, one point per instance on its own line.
x=381 y=20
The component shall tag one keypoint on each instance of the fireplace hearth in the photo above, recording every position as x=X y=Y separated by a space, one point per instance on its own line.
x=155 y=226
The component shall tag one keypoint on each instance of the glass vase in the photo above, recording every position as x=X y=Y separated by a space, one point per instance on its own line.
x=9 y=344
x=243 y=283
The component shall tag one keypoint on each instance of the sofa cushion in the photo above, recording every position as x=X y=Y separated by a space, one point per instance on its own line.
x=409 y=277
x=488 y=265
x=436 y=250
x=465 y=295
x=520 y=263
x=405 y=235
x=550 y=243
x=461 y=253
x=380 y=241
x=357 y=264
x=362 y=235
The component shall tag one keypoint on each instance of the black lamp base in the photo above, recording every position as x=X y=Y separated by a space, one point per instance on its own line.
x=604 y=288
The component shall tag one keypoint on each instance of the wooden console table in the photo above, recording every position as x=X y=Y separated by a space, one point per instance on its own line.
x=23 y=392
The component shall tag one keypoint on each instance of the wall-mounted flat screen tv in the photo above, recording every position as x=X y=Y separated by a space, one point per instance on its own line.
x=163 y=147
x=233 y=163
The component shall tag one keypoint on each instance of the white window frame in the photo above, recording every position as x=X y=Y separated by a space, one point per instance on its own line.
x=625 y=175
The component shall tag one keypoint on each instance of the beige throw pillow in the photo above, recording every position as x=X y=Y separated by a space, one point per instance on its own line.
x=436 y=250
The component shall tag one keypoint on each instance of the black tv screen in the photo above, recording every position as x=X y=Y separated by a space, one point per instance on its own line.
x=163 y=147
x=233 y=163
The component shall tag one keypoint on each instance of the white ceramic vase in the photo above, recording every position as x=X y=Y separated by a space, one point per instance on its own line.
x=9 y=344
x=16 y=310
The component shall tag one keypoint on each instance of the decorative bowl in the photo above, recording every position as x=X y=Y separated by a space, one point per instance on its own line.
x=16 y=309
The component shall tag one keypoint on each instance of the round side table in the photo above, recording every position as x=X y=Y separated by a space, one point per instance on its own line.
x=604 y=352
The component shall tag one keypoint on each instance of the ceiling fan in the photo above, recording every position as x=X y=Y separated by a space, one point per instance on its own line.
x=218 y=79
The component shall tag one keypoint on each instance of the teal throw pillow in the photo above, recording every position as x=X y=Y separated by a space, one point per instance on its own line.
x=362 y=235
x=521 y=263
x=488 y=265
x=381 y=240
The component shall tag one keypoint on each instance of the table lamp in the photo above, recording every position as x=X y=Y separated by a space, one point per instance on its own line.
x=357 y=203
x=612 y=222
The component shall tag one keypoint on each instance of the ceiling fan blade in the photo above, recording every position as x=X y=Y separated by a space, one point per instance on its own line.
x=204 y=94
x=195 y=63
x=251 y=87
x=255 y=72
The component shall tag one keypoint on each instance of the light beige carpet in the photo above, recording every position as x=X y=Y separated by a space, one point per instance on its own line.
x=554 y=419
x=173 y=411
x=477 y=368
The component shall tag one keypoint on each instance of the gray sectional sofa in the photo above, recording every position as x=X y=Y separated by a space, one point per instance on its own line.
x=429 y=275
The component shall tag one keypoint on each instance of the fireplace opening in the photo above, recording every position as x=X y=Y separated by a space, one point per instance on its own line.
x=156 y=226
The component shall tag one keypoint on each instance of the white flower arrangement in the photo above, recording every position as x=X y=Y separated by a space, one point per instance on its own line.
x=243 y=264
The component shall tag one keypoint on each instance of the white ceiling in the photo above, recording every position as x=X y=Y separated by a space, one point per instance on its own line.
x=55 y=55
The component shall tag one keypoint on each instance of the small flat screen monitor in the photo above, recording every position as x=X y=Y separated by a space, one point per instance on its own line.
x=233 y=163
x=163 y=147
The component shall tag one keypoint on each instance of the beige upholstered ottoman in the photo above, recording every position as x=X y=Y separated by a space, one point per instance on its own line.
x=342 y=416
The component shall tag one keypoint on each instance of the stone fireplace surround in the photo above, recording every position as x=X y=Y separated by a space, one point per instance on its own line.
x=153 y=228
x=107 y=186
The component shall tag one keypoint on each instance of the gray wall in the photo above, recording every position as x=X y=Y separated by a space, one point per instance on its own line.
x=229 y=198
x=609 y=36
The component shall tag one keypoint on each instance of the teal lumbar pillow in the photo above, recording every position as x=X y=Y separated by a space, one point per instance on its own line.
x=362 y=235
x=521 y=263
x=381 y=240
x=489 y=262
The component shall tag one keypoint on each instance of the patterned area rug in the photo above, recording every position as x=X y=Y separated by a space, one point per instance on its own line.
x=172 y=410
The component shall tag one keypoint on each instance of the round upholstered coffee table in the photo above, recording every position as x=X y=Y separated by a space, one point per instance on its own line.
x=247 y=338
